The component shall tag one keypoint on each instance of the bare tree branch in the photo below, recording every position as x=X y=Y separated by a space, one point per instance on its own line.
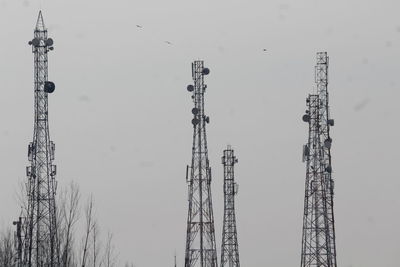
x=109 y=259
x=69 y=208
x=95 y=242
x=90 y=222
x=7 y=250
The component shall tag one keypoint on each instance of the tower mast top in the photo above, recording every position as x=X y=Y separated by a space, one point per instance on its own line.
x=40 y=23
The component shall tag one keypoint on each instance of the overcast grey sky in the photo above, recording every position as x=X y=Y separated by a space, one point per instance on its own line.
x=120 y=117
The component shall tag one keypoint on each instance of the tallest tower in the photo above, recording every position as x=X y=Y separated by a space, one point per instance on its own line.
x=318 y=243
x=200 y=240
x=40 y=246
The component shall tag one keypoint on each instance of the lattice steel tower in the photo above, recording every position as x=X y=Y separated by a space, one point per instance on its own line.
x=40 y=245
x=229 y=247
x=200 y=240
x=318 y=242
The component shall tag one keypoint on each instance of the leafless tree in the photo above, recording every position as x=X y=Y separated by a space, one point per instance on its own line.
x=95 y=244
x=69 y=216
x=89 y=226
x=71 y=223
x=7 y=251
x=109 y=259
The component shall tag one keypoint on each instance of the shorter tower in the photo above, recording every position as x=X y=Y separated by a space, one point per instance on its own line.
x=229 y=247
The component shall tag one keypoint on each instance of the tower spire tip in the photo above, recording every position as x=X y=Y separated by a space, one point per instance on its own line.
x=40 y=22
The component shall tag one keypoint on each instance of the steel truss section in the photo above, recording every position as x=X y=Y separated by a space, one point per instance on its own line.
x=200 y=237
x=318 y=241
x=40 y=240
x=229 y=246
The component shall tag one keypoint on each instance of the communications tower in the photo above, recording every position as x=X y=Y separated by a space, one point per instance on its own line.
x=200 y=239
x=318 y=242
x=40 y=244
x=229 y=247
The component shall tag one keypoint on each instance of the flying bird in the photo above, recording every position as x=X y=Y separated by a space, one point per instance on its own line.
x=168 y=42
x=139 y=26
x=265 y=50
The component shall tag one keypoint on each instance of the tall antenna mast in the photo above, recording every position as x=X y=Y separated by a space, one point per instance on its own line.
x=40 y=246
x=229 y=247
x=200 y=240
x=318 y=242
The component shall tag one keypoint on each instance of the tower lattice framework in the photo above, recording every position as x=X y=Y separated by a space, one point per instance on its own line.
x=40 y=242
x=200 y=239
x=318 y=241
x=229 y=246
